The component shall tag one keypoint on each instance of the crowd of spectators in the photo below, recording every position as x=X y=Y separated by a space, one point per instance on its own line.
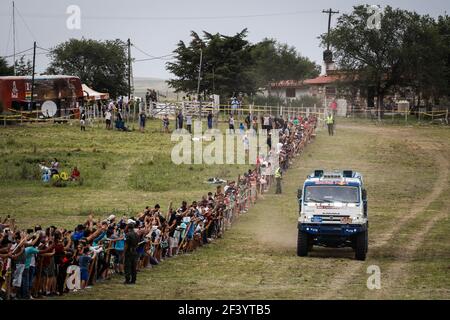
x=40 y=261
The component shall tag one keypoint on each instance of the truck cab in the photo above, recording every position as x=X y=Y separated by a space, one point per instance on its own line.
x=333 y=212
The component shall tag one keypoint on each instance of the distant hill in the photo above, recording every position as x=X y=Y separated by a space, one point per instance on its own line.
x=141 y=85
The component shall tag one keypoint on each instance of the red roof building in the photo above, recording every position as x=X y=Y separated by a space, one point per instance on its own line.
x=317 y=87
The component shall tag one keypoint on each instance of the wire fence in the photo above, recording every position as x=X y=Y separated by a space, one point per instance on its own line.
x=95 y=114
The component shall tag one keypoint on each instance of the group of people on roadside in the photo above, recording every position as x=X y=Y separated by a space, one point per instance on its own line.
x=39 y=261
x=49 y=171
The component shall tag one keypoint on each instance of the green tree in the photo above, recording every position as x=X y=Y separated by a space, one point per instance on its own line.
x=102 y=65
x=231 y=64
x=406 y=51
x=275 y=61
x=373 y=55
x=24 y=68
x=225 y=69
x=306 y=101
x=5 y=69
x=443 y=27
x=424 y=57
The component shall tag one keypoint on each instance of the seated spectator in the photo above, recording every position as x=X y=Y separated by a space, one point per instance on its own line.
x=40 y=259
x=75 y=175
x=54 y=167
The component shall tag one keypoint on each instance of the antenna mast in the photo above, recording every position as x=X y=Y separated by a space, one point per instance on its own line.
x=330 y=12
x=14 y=37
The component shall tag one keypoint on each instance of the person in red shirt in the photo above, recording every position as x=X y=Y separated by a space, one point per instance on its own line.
x=75 y=175
x=333 y=107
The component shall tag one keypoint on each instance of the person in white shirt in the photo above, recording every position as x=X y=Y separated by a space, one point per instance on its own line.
x=246 y=142
x=266 y=122
x=108 y=116
x=231 y=123
x=279 y=146
x=189 y=123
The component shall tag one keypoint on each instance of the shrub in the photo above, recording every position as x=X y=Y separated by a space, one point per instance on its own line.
x=29 y=171
x=11 y=142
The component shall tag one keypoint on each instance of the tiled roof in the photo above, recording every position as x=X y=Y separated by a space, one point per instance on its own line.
x=321 y=80
x=299 y=83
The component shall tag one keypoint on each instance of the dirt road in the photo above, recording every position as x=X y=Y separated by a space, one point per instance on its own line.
x=406 y=172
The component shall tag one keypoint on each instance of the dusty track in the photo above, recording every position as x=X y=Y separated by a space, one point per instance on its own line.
x=393 y=274
x=396 y=270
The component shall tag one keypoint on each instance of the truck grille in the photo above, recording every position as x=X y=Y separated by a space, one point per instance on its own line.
x=330 y=218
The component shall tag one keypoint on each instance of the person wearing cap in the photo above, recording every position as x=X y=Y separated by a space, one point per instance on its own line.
x=111 y=219
x=131 y=242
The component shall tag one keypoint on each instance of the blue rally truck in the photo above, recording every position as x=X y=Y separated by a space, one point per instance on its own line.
x=333 y=212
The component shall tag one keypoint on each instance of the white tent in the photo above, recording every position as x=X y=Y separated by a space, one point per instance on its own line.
x=90 y=94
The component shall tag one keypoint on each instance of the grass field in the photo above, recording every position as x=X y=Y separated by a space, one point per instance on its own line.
x=122 y=173
x=406 y=171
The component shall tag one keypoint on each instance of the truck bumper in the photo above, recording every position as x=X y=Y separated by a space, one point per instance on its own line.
x=332 y=229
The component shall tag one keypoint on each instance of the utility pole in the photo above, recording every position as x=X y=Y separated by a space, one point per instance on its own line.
x=32 y=77
x=14 y=36
x=214 y=84
x=129 y=70
x=199 y=73
x=330 y=12
x=198 y=83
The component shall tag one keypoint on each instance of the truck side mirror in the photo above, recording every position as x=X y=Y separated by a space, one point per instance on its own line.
x=299 y=197
x=364 y=198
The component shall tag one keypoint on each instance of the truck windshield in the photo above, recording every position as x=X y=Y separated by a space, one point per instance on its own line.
x=345 y=194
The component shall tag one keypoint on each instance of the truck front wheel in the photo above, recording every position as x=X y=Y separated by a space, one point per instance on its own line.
x=302 y=244
x=361 y=246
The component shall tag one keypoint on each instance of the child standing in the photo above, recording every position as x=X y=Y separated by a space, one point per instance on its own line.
x=142 y=118
x=166 y=123
x=241 y=129
x=83 y=262
x=83 y=121
x=231 y=123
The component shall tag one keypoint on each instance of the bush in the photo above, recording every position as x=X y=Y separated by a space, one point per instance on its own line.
x=306 y=102
x=29 y=171
x=11 y=142
x=58 y=183
x=259 y=100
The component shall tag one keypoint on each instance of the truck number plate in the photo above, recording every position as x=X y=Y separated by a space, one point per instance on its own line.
x=316 y=219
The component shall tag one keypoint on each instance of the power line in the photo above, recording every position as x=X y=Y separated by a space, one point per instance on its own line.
x=9 y=35
x=48 y=50
x=262 y=15
x=156 y=58
x=151 y=57
x=26 y=25
x=142 y=51
x=17 y=53
x=14 y=35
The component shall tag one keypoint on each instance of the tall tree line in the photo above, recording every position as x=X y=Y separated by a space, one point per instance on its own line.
x=232 y=65
x=409 y=50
